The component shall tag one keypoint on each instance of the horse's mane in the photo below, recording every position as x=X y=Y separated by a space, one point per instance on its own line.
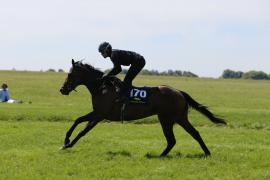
x=109 y=81
x=87 y=67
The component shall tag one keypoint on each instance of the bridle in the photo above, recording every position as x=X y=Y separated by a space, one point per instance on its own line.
x=70 y=86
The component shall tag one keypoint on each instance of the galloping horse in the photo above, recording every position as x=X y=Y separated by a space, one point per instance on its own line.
x=169 y=104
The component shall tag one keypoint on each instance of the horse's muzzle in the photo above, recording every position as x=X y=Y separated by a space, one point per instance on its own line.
x=64 y=91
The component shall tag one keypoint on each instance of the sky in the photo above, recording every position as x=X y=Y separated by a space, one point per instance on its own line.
x=201 y=36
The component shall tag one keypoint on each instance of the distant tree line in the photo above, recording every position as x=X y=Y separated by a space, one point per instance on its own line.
x=53 y=70
x=227 y=74
x=148 y=72
x=256 y=75
x=163 y=73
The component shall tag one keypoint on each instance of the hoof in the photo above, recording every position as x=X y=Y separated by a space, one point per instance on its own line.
x=64 y=147
x=66 y=143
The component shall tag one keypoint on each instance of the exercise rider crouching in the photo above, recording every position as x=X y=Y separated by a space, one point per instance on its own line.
x=122 y=58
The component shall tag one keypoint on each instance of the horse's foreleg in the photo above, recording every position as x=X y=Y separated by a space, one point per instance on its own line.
x=87 y=117
x=87 y=128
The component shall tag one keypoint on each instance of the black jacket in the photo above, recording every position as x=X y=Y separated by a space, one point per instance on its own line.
x=125 y=58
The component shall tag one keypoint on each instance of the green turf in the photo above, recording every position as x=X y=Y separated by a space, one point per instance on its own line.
x=30 y=134
x=128 y=151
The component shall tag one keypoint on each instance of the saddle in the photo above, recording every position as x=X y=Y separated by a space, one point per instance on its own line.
x=136 y=95
x=111 y=83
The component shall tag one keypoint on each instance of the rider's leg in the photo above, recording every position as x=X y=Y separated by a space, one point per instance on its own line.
x=133 y=71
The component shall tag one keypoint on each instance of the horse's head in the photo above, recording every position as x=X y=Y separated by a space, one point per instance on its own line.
x=79 y=74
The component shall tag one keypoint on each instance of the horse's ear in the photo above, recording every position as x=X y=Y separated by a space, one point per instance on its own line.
x=73 y=62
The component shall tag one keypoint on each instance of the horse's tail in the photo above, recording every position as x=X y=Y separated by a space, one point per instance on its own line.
x=202 y=109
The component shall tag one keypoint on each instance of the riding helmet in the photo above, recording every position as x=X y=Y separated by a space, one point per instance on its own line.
x=104 y=46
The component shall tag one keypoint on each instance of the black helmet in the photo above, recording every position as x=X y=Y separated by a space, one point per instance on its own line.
x=104 y=46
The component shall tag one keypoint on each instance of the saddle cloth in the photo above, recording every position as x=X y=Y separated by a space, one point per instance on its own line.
x=139 y=95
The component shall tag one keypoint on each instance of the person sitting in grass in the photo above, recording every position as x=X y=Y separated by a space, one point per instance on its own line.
x=5 y=97
x=4 y=94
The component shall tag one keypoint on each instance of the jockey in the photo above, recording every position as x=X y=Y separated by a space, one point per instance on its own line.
x=125 y=58
x=4 y=94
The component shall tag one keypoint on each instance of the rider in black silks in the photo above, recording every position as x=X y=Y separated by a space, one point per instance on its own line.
x=125 y=58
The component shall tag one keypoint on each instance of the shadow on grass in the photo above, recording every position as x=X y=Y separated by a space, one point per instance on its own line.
x=112 y=154
x=197 y=156
x=175 y=156
x=68 y=151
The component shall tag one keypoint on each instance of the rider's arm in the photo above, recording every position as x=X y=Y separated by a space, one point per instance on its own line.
x=115 y=70
x=116 y=64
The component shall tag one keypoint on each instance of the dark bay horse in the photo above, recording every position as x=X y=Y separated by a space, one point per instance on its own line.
x=169 y=104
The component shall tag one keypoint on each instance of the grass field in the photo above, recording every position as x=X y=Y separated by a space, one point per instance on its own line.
x=31 y=134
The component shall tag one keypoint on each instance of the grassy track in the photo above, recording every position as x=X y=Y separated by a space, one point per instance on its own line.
x=30 y=134
x=116 y=151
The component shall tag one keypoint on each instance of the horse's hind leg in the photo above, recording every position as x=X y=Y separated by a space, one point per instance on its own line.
x=167 y=127
x=194 y=133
